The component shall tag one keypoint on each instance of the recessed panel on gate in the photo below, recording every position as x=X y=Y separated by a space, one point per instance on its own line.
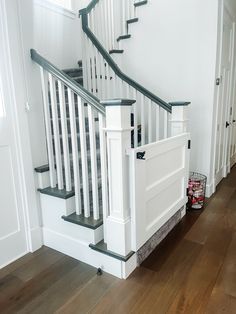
x=161 y=165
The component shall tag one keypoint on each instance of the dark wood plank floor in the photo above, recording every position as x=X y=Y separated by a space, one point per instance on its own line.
x=192 y=271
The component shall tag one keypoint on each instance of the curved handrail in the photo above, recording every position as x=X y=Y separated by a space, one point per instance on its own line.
x=84 y=14
x=68 y=81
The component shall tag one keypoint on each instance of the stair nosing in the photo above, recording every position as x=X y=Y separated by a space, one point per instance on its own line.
x=81 y=223
x=42 y=169
x=63 y=194
x=97 y=247
x=122 y=37
x=133 y=20
x=116 y=51
x=138 y=4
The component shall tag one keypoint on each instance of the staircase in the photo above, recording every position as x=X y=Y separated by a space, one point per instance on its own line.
x=95 y=116
x=76 y=73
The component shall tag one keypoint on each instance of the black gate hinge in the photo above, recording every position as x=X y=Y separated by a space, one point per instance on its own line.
x=189 y=144
x=140 y=155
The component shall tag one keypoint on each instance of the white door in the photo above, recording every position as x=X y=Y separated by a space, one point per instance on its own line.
x=13 y=242
x=225 y=118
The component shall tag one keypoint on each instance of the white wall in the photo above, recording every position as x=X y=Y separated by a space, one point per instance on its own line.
x=172 y=52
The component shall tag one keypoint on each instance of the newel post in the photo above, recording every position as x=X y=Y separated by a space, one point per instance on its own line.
x=179 y=117
x=118 y=128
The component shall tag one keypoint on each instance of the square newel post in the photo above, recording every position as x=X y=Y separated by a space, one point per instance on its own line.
x=118 y=128
x=179 y=117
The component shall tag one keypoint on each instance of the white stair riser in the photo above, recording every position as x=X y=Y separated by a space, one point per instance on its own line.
x=43 y=179
x=53 y=208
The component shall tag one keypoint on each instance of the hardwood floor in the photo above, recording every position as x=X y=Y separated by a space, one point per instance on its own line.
x=192 y=271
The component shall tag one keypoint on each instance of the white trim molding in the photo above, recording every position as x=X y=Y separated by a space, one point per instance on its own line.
x=47 y=4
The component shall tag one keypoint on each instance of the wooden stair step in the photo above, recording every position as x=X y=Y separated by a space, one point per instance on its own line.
x=133 y=20
x=83 y=221
x=139 y=3
x=123 y=37
x=102 y=248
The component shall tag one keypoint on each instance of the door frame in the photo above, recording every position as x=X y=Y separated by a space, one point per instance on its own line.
x=17 y=94
x=223 y=7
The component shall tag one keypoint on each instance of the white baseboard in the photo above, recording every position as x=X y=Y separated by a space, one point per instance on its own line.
x=81 y=251
x=36 y=239
x=210 y=189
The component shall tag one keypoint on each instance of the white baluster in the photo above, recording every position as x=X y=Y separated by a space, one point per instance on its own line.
x=179 y=118
x=165 y=123
x=150 y=121
x=48 y=128
x=104 y=178
x=84 y=157
x=135 y=112
x=93 y=155
x=75 y=154
x=64 y=130
x=56 y=134
x=123 y=19
x=157 y=122
x=143 y=124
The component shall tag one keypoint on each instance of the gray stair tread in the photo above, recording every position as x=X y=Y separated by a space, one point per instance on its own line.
x=123 y=37
x=83 y=221
x=102 y=248
x=57 y=193
x=116 y=51
x=135 y=19
x=42 y=169
x=139 y=3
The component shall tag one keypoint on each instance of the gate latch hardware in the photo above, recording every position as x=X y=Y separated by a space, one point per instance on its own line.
x=140 y=155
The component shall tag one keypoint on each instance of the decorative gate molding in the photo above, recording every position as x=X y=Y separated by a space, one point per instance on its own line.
x=158 y=185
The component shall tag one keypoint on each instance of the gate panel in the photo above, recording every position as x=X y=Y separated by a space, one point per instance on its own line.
x=158 y=185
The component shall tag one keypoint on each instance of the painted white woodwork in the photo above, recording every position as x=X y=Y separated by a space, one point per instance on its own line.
x=81 y=251
x=43 y=180
x=75 y=153
x=13 y=225
x=225 y=97
x=118 y=224
x=47 y=120
x=178 y=121
x=65 y=136
x=56 y=135
x=104 y=175
x=93 y=156
x=84 y=157
x=74 y=240
x=157 y=185
x=53 y=208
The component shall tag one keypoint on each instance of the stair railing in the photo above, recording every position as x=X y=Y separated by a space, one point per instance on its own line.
x=75 y=159
x=103 y=77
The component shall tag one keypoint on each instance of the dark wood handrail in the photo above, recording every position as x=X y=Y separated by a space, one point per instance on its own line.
x=84 y=14
x=68 y=81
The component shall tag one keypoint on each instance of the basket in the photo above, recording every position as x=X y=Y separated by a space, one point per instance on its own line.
x=196 y=190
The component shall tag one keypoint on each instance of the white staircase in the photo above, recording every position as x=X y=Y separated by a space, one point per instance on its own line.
x=98 y=136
